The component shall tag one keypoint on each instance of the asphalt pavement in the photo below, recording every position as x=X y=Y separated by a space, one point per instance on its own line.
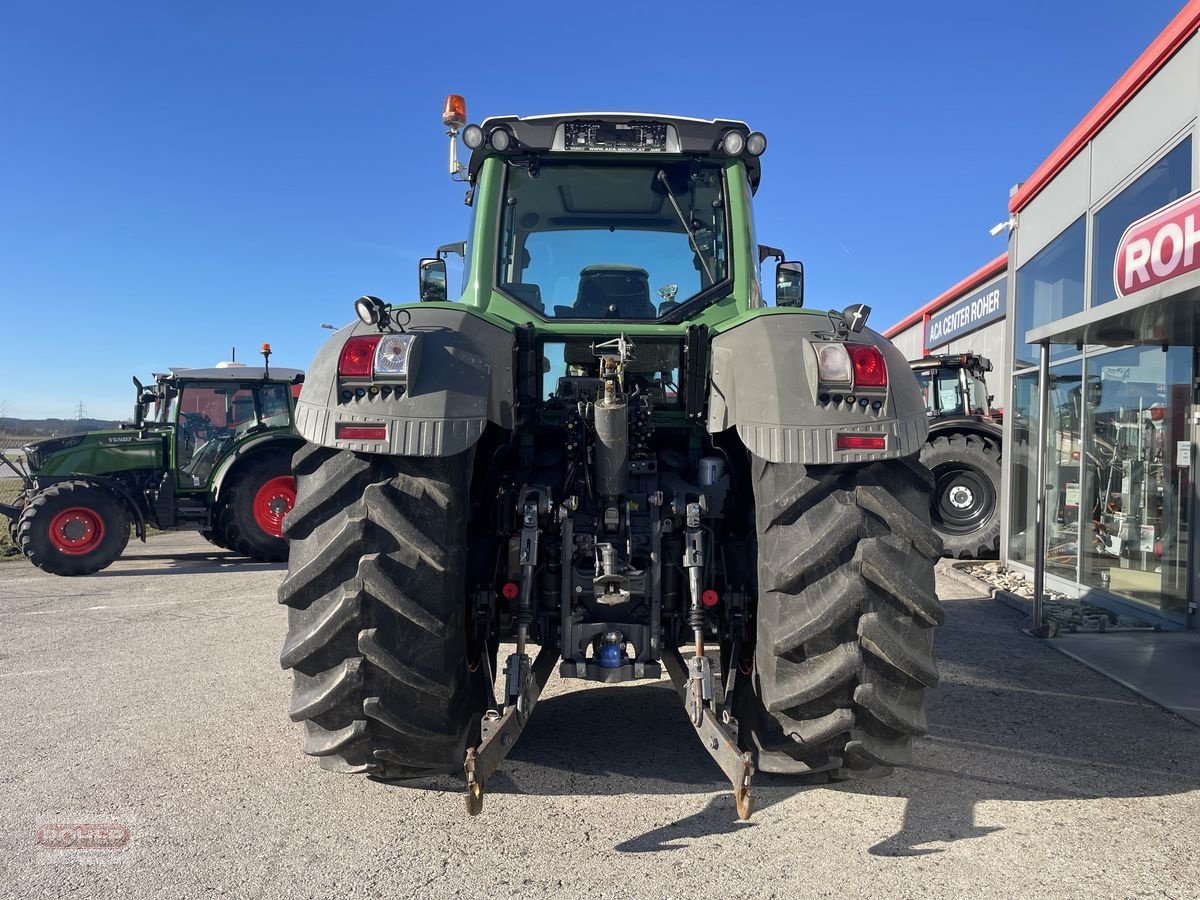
x=147 y=703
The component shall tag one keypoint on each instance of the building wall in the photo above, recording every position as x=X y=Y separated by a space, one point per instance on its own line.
x=1061 y=258
x=908 y=341
x=989 y=341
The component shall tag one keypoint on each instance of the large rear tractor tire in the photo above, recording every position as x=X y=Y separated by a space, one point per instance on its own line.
x=846 y=611
x=965 y=506
x=250 y=517
x=73 y=528
x=384 y=679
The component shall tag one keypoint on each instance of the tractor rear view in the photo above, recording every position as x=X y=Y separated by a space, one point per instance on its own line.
x=612 y=454
x=963 y=453
x=208 y=450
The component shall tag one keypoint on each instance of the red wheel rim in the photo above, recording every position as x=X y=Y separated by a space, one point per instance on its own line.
x=76 y=531
x=272 y=502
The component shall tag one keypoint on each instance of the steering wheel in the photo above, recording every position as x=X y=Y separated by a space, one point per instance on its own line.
x=195 y=420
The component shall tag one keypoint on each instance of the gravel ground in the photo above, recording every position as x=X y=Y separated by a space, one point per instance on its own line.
x=149 y=696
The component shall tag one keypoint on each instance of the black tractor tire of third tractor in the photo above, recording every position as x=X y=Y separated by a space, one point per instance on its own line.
x=383 y=677
x=12 y=524
x=73 y=528
x=846 y=612
x=238 y=526
x=215 y=538
x=966 y=466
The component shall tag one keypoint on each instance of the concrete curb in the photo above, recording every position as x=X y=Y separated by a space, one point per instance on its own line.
x=953 y=571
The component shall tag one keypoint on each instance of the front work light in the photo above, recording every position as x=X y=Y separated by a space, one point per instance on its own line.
x=500 y=139
x=473 y=137
x=393 y=353
x=756 y=143
x=733 y=143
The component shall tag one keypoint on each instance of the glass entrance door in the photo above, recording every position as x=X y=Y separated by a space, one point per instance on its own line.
x=1137 y=461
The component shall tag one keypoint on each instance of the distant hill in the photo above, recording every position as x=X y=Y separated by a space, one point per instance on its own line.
x=43 y=428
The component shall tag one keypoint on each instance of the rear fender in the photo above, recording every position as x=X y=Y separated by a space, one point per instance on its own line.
x=764 y=384
x=267 y=443
x=462 y=379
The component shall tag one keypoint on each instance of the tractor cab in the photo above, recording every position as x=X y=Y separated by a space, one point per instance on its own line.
x=214 y=410
x=954 y=384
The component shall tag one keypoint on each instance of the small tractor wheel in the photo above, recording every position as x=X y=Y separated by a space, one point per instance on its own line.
x=966 y=494
x=250 y=516
x=73 y=528
x=385 y=679
x=846 y=611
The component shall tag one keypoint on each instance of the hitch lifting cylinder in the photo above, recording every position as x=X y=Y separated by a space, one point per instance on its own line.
x=612 y=446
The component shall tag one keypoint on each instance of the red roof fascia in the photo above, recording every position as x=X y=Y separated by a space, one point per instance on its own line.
x=995 y=267
x=1181 y=28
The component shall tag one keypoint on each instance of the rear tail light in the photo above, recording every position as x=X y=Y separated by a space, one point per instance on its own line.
x=358 y=355
x=861 y=442
x=869 y=368
x=833 y=363
x=348 y=432
x=393 y=353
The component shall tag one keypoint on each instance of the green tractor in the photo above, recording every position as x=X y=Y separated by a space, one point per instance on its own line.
x=612 y=447
x=208 y=449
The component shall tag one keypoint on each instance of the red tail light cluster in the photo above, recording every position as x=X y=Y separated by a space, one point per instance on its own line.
x=357 y=357
x=869 y=368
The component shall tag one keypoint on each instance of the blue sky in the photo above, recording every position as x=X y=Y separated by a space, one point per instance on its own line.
x=178 y=179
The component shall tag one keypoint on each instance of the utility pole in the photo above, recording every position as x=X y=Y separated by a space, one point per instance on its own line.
x=80 y=412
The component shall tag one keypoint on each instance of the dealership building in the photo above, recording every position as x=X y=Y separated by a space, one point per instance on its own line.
x=967 y=318
x=1093 y=339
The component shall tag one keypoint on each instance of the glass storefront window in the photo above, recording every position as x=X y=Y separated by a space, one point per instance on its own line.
x=1138 y=475
x=1023 y=409
x=1050 y=287
x=1168 y=179
x=1063 y=449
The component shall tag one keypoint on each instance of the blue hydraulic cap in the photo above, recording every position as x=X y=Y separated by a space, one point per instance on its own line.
x=610 y=655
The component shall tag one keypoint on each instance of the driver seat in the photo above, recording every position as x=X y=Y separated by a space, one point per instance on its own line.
x=614 y=292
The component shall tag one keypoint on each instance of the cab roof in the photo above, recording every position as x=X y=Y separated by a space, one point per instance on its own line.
x=234 y=373
x=545 y=134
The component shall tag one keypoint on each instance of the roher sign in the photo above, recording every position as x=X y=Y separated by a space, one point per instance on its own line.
x=983 y=305
x=1159 y=247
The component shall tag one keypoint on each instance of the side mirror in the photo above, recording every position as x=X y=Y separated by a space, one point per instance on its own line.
x=789 y=284
x=431 y=280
